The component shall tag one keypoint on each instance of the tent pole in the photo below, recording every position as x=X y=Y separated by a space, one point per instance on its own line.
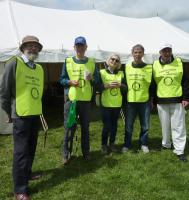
x=13 y=21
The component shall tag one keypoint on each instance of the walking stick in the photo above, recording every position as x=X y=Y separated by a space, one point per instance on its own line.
x=122 y=116
x=45 y=128
x=76 y=138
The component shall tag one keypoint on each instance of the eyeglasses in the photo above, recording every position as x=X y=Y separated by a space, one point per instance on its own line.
x=31 y=46
x=114 y=59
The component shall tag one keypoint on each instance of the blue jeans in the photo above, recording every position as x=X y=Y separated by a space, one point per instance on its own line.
x=109 y=118
x=143 y=111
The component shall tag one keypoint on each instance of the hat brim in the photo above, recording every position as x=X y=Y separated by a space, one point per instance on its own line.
x=23 y=44
x=80 y=43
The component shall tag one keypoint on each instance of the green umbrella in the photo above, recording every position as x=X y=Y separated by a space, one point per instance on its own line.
x=72 y=110
x=71 y=115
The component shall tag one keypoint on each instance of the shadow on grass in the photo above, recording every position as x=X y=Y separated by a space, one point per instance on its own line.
x=75 y=168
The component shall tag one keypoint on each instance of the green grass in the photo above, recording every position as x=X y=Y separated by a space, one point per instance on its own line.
x=132 y=176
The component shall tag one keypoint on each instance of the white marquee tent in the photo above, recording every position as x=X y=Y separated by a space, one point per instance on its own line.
x=105 y=33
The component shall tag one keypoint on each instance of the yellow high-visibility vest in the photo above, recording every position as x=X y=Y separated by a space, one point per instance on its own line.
x=76 y=72
x=111 y=97
x=168 y=78
x=138 y=81
x=29 y=89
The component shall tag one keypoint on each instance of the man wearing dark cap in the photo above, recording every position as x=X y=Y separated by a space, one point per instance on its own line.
x=21 y=93
x=79 y=74
x=172 y=81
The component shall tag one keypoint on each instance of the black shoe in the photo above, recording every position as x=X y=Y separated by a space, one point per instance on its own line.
x=87 y=157
x=165 y=148
x=35 y=176
x=105 y=150
x=182 y=158
x=113 y=148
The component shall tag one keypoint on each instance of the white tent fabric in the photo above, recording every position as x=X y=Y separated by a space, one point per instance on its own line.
x=105 y=33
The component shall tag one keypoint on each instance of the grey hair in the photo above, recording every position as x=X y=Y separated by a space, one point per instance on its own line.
x=137 y=46
x=116 y=55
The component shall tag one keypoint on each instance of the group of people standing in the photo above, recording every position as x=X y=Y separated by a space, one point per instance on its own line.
x=134 y=88
x=138 y=86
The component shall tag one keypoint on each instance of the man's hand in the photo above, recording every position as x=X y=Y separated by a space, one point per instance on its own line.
x=185 y=103
x=89 y=77
x=9 y=119
x=73 y=83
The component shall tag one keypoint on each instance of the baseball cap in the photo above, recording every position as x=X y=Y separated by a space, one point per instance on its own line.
x=165 y=45
x=80 y=40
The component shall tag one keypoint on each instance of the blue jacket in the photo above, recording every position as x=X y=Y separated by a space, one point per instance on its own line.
x=64 y=78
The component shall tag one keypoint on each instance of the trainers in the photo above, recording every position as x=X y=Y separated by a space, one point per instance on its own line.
x=144 y=149
x=125 y=149
x=113 y=148
x=22 y=197
x=104 y=149
x=182 y=158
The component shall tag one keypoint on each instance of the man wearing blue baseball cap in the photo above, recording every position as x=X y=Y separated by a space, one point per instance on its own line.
x=80 y=41
x=79 y=75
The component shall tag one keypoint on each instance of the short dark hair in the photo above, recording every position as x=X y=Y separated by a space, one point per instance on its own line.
x=137 y=46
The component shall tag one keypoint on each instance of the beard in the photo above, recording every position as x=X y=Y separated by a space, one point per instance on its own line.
x=31 y=56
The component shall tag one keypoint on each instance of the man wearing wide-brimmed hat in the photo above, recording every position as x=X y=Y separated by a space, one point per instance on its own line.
x=21 y=93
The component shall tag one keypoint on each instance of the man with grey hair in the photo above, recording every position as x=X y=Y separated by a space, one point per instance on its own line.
x=21 y=98
x=172 y=92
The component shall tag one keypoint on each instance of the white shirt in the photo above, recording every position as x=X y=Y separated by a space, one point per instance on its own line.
x=27 y=61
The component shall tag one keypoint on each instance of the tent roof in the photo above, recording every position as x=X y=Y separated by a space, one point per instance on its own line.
x=105 y=33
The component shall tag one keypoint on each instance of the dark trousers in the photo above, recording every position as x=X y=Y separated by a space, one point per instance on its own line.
x=25 y=134
x=143 y=111
x=83 y=112
x=109 y=118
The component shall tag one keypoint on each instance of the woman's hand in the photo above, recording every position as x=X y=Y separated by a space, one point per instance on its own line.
x=113 y=84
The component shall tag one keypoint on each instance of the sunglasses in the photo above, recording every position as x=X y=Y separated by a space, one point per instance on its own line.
x=114 y=59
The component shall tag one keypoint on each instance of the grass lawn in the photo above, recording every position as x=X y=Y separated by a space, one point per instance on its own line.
x=131 y=176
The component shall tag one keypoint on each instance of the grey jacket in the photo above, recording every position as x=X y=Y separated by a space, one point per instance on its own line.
x=8 y=88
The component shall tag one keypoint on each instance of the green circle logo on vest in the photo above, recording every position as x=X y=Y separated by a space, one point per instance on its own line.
x=168 y=81
x=136 y=86
x=114 y=91
x=35 y=93
x=81 y=83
